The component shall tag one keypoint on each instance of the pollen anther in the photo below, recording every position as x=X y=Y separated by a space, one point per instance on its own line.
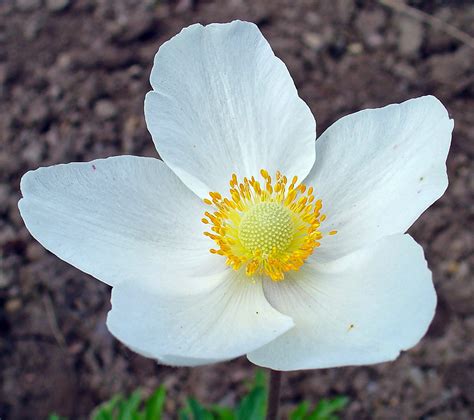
x=266 y=229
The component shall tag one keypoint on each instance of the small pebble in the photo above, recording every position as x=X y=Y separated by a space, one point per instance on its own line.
x=57 y=5
x=105 y=109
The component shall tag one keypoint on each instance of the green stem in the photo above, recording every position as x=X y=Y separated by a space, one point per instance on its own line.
x=274 y=395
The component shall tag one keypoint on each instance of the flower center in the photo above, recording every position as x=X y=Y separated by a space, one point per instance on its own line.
x=267 y=227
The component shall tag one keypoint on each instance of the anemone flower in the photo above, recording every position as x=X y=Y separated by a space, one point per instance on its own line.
x=249 y=237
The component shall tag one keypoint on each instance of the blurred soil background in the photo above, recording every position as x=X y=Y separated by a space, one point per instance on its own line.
x=73 y=75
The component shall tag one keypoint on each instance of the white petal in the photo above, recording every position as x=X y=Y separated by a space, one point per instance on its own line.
x=222 y=322
x=118 y=219
x=361 y=309
x=377 y=170
x=223 y=103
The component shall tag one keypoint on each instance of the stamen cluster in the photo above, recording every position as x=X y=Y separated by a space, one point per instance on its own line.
x=267 y=227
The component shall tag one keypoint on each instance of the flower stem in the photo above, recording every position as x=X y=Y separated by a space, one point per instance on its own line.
x=274 y=395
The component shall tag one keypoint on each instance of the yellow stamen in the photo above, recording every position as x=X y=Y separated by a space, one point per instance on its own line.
x=268 y=228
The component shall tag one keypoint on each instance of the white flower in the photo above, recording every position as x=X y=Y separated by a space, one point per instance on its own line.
x=296 y=276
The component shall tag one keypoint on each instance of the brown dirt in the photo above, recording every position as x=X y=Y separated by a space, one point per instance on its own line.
x=73 y=75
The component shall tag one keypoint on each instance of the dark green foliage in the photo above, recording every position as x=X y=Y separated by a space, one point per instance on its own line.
x=154 y=405
x=132 y=408
x=325 y=409
x=253 y=406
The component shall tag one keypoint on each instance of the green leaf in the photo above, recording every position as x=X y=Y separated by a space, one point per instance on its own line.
x=128 y=409
x=300 y=412
x=184 y=414
x=102 y=414
x=222 y=413
x=326 y=408
x=260 y=379
x=254 y=405
x=154 y=405
x=198 y=411
x=105 y=411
